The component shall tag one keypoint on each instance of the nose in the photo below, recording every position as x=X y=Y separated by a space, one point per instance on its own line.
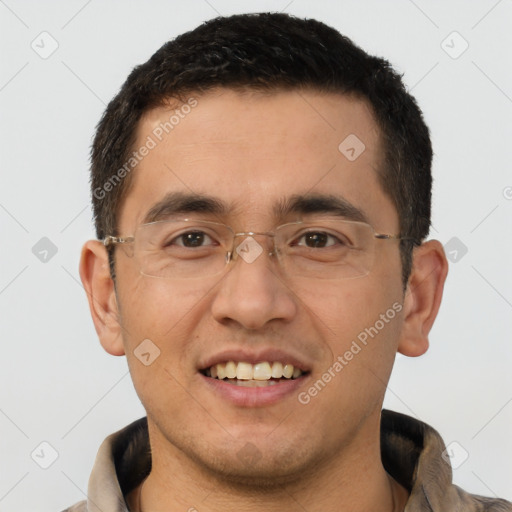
x=253 y=292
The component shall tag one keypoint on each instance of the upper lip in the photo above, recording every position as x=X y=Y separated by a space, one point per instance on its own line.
x=254 y=356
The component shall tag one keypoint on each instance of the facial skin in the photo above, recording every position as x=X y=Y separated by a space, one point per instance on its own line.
x=251 y=151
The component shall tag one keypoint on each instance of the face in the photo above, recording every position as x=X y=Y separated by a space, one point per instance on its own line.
x=250 y=153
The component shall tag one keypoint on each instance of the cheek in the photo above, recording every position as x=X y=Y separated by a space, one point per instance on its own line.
x=349 y=308
x=154 y=307
x=159 y=318
x=361 y=326
x=360 y=321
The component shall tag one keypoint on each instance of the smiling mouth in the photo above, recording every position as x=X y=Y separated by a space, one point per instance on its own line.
x=261 y=374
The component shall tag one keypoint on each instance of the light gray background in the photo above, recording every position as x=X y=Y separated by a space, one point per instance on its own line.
x=57 y=384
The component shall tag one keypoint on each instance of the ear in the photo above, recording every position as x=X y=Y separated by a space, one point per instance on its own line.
x=422 y=297
x=95 y=276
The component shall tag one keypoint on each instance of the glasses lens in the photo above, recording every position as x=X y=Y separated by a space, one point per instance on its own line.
x=334 y=249
x=182 y=249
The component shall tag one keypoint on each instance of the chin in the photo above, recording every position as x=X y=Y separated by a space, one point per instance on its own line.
x=264 y=475
x=249 y=467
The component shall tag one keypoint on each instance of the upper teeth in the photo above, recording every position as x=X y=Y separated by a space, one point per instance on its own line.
x=248 y=371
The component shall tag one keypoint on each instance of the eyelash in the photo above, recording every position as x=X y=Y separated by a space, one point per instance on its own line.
x=296 y=241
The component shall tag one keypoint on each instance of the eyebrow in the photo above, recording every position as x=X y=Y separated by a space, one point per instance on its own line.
x=180 y=202
x=319 y=203
x=301 y=204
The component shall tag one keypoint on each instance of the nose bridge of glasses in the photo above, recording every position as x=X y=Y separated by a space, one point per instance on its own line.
x=249 y=245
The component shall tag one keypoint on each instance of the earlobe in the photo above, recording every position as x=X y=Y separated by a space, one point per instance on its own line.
x=422 y=297
x=99 y=286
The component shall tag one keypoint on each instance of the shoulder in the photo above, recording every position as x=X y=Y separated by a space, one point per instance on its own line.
x=472 y=502
x=81 y=506
x=411 y=453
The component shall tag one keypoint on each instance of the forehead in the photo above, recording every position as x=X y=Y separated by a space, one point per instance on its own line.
x=252 y=151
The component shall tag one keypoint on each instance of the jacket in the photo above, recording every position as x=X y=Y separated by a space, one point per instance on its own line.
x=412 y=452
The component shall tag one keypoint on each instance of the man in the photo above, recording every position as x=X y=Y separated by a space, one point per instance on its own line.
x=261 y=190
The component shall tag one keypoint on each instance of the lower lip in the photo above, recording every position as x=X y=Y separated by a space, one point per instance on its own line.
x=254 y=397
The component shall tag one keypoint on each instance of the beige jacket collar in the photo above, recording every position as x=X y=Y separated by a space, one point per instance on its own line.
x=412 y=452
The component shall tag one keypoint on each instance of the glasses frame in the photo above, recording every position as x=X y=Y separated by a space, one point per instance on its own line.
x=110 y=241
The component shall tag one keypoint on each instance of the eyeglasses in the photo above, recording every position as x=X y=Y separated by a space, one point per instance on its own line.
x=194 y=249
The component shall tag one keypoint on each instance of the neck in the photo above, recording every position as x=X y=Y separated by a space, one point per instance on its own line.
x=352 y=479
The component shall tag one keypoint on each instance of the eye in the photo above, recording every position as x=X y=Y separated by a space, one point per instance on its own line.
x=192 y=239
x=317 y=240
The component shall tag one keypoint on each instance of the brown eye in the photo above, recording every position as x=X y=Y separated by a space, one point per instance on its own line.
x=192 y=239
x=317 y=240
